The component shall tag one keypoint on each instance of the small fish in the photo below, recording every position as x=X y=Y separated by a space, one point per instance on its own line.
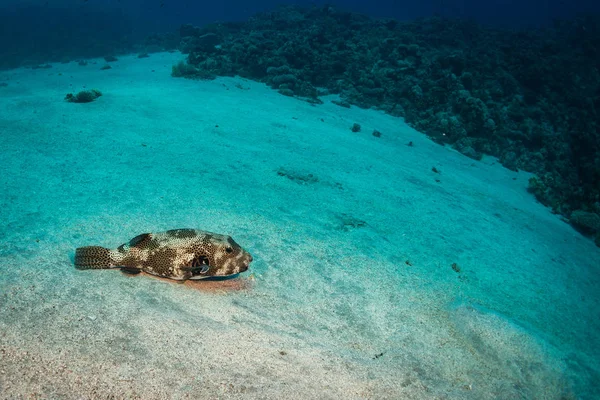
x=179 y=254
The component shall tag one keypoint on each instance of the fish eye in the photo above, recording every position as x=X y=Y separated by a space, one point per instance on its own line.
x=228 y=249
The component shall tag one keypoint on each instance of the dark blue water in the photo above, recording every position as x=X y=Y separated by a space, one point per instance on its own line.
x=53 y=30
x=33 y=30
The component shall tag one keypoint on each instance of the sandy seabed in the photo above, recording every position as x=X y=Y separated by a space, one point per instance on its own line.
x=374 y=276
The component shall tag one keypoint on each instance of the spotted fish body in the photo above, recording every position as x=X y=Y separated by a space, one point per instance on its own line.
x=179 y=254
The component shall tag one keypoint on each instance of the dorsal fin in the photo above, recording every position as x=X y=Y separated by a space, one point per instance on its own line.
x=139 y=240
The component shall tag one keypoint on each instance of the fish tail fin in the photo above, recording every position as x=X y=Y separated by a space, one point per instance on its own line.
x=94 y=257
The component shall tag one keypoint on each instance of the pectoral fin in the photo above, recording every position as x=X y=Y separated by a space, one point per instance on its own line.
x=199 y=270
x=198 y=266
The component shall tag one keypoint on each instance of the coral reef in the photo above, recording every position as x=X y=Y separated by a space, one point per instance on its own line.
x=587 y=222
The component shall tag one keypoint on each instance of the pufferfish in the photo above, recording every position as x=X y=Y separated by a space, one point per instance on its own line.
x=179 y=254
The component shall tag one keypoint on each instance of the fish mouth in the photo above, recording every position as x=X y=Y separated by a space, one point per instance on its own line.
x=246 y=264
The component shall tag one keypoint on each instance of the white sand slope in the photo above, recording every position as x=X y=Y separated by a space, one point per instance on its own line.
x=352 y=294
